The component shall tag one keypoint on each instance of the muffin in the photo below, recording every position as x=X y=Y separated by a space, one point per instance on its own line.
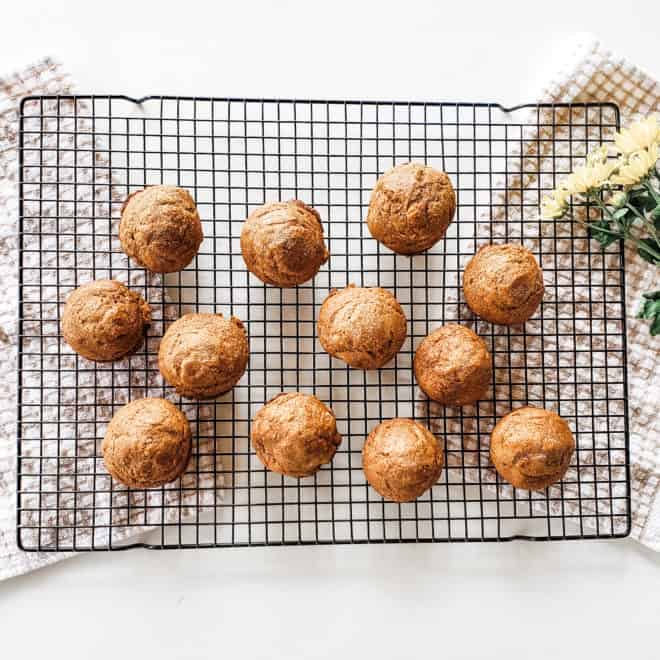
x=203 y=355
x=364 y=327
x=503 y=284
x=411 y=207
x=401 y=459
x=160 y=228
x=282 y=243
x=531 y=448
x=453 y=365
x=104 y=321
x=147 y=444
x=294 y=434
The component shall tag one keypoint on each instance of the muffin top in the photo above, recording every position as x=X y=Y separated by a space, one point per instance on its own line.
x=364 y=327
x=503 y=284
x=453 y=365
x=401 y=459
x=147 y=444
x=282 y=243
x=160 y=228
x=203 y=355
x=294 y=434
x=531 y=447
x=104 y=321
x=411 y=207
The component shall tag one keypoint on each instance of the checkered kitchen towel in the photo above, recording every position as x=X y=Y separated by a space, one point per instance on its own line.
x=47 y=78
x=591 y=73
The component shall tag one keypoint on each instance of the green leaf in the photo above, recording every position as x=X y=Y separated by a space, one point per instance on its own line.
x=655 y=326
x=603 y=237
x=650 y=310
x=645 y=255
x=624 y=218
x=650 y=306
x=652 y=295
x=644 y=203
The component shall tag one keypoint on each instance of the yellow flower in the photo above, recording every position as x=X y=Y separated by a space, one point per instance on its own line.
x=589 y=177
x=633 y=169
x=636 y=137
x=597 y=156
x=555 y=204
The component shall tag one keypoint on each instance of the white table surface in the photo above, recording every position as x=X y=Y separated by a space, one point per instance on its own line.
x=584 y=599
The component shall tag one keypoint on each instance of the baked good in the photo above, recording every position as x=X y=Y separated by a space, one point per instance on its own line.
x=411 y=207
x=294 y=434
x=364 y=327
x=503 y=284
x=104 y=321
x=147 y=444
x=282 y=243
x=453 y=366
x=203 y=355
x=531 y=447
x=401 y=459
x=160 y=228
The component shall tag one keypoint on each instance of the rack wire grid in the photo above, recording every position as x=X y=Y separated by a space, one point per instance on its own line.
x=80 y=156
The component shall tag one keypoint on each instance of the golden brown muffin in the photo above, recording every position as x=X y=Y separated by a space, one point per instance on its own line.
x=160 y=228
x=531 y=447
x=147 y=444
x=203 y=355
x=503 y=284
x=453 y=365
x=282 y=243
x=401 y=459
x=411 y=207
x=294 y=434
x=104 y=321
x=364 y=327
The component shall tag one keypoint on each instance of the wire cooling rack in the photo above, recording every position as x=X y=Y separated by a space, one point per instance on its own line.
x=81 y=156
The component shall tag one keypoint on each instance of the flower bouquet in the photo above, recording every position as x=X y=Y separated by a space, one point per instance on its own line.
x=625 y=188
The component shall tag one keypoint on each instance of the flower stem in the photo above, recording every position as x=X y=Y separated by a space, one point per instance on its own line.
x=605 y=231
x=626 y=236
x=625 y=233
x=610 y=216
x=651 y=190
x=650 y=227
x=643 y=247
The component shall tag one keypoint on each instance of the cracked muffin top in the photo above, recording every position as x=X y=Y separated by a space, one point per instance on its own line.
x=401 y=459
x=531 y=447
x=203 y=355
x=453 y=366
x=503 y=284
x=147 y=444
x=364 y=327
x=294 y=434
x=104 y=320
x=282 y=243
x=411 y=207
x=160 y=228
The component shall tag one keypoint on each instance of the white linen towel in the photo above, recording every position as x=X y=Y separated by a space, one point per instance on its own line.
x=591 y=73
